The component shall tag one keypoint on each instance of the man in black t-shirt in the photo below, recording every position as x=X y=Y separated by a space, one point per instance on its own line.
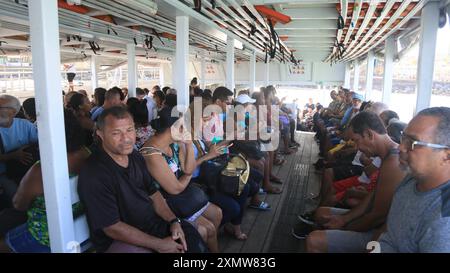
x=125 y=212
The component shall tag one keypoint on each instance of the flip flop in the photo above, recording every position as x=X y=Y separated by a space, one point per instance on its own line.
x=241 y=236
x=262 y=206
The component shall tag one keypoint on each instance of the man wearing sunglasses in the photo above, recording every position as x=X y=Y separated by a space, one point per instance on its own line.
x=419 y=217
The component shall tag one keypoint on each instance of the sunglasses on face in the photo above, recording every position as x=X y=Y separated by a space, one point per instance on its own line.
x=411 y=143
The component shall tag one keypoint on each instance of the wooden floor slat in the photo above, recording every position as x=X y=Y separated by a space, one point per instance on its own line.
x=269 y=231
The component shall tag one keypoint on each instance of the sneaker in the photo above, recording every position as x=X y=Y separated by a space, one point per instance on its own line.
x=301 y=230
x=307 y=218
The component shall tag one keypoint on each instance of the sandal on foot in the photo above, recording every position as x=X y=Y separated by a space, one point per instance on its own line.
x=241 y=236
x=262 y=206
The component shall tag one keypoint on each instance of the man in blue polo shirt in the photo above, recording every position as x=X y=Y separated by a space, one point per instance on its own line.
x=15 y=135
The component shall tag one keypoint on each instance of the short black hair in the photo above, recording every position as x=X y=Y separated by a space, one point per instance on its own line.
x=221 y=93
x=269 y=90
x=118 y=112
x=165 y=89
x=140 y=92
x=170 y=100
x=138 y=109
x=99 y=95
x=159 y=94
x=388 y=115
x=194 y=81
x=164 y=120
x=442 y=132
x=29 y=106
x=198 y=92
x=395 y=129
x=207 y=94
x=75 y=101
x=367 y=120
x=115 y=91
x=75 y=134
x=364 y=105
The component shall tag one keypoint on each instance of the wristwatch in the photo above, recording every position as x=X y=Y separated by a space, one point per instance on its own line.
x=175 y=220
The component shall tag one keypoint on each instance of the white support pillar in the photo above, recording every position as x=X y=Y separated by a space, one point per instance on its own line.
x=181 y=81
x=203 y=73
x=355 y=76
x=173 y=63
x=369 y=74
x=428 y=34
x=132 y=70
x=230 y=64
x=252 y=74
x=347 y=75
x=267 y=73
x=94 y=78
x=389 y=52
x=44 y=33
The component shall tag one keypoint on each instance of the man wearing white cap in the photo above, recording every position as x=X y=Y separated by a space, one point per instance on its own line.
x=244 y=99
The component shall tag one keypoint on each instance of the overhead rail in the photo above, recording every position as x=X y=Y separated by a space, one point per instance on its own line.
x=362 y=27
x=414 y=11
x=384 y=14
x=357 y=6
x=341 y=20
x=157 y=22
x=391 y=21
x=370 y=23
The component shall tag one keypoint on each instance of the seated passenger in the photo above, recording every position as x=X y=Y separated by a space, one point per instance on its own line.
x=125 y=211
x=139 y=111
x=419 y=217
x=16 y=136
x=29 y=109
x=169 y=158
x=80 y=106
x=360 y=223
x=113 y=97
x=232 y=207
x=33 y=237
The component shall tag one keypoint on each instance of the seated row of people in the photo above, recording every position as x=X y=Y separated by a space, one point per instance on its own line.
x=376 y=175
x=116 y=182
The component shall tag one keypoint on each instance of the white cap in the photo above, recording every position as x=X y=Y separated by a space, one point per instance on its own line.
x=244 y=98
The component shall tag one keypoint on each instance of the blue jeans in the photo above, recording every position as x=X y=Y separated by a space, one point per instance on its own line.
x=232 y=207
x=20 y=240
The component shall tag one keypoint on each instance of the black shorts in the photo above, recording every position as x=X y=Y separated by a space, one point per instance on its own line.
x=70 y=77
x=346 y=171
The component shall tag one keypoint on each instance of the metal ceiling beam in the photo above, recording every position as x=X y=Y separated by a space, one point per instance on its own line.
x=362 y=27
x=308 y=24
x=307 y=33
x=312 y=13
x=416 y=9
x=380 y=32
x=187 y=10
x=343 y=13
x=384 y=13
x=273 y=2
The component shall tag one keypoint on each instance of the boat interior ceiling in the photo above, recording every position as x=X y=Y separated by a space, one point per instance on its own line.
x=278 y=30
